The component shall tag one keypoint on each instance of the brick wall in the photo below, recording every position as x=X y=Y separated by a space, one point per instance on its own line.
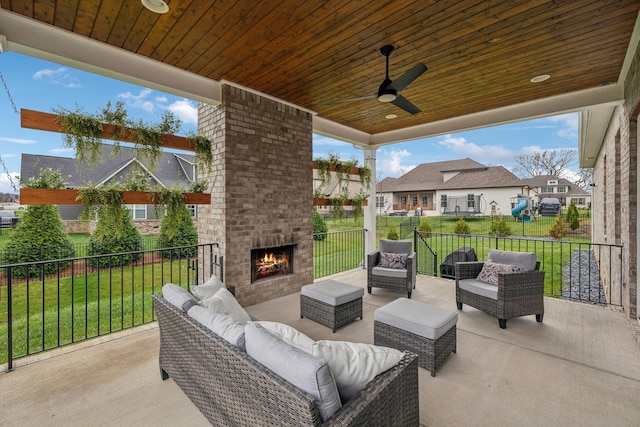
x=261 y=186
x=616 y=194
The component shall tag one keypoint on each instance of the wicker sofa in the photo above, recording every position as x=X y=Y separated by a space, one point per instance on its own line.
x=515 y=294
x=230 y=388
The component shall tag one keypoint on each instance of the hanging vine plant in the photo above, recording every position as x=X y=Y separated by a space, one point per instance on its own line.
x=84 y=133
x=105 y=202
x=343 y=171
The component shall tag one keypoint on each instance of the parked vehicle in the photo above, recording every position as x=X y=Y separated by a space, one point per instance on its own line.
x=8 y=219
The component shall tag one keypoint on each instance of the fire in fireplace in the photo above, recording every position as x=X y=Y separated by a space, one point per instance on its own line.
x=269 y=262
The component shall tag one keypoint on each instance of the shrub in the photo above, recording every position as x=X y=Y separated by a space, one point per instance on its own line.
x=105 y=241
x=40 y=235
x=319 y=226
x=573 y=217
x=461 y=227
x=392 y=235
x=499 y=227
x=424 y=226
x=558 y=229
x=186 y=234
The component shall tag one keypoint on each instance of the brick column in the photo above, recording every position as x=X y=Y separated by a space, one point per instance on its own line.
x=261 y=187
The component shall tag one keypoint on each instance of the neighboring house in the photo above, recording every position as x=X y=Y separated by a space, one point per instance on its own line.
x=349 y=186
x=172 y=170
x=545 y=186
x=456 y=187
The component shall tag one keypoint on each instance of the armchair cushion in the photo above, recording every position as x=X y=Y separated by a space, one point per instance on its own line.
x=477 y=287
x=490 y=271
x=393 y=260
x=389 y=272
x=525 y=260
x=395 y=246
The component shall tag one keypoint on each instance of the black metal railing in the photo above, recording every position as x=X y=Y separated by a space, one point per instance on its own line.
x=85 y=298
x=337 y=251
x=585 y=272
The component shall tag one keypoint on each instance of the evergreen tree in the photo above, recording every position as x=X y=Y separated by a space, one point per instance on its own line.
x=320 y=227
x=106 y=240
x=185 y=235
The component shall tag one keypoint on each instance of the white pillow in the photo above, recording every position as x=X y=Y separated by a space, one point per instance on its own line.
x=178 y=296
x=219 y=323
x=224 y=302
x=208 y=288
x=354 y=365
x=289 y=334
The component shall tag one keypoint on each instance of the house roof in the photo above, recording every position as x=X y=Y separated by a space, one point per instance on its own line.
x=450 y=175
x=481 y=57
x=541 y=181
x=171 y=170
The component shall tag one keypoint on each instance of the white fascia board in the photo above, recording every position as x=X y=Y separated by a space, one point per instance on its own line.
x=331 y=129
x=33 y=38
x=611 y=95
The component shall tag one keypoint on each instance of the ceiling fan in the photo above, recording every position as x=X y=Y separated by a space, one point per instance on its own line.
x=388 y=91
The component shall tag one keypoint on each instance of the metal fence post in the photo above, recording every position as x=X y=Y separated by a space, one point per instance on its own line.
x=10 y=320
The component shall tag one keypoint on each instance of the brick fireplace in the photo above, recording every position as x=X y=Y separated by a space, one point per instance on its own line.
x=261 y=190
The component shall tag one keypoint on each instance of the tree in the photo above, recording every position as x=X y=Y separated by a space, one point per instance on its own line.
x=499 y=227
x=40 y=234
x=553 y=162
x=461 y=227
x=186 y=234
x=320 y=227
x=573 y=217
x=584 y=179
x=105 y=241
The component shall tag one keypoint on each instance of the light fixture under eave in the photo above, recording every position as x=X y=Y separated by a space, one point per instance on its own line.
x=390 y=116
x=157 y=6
x=540 y=78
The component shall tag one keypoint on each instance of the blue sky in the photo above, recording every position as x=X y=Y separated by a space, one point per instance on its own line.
x=43 y=86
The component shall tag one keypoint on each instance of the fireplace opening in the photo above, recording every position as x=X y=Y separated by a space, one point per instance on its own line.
x=268 y=262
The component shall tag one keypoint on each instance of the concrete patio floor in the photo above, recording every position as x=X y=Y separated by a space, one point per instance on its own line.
x=581 y=367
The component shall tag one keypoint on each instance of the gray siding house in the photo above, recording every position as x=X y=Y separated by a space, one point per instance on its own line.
x=171 y=170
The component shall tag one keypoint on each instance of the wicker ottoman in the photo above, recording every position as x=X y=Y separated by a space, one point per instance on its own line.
x=424 y=329
x=331 y=303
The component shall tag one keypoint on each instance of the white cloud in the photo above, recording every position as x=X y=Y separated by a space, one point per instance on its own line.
x=389 y=163
x=5 y=184
x=60 y=76
x=140 y=100
x=184 y=110
x=568 y=125
x=62 y=150
x=488 y=154
x=18 y=140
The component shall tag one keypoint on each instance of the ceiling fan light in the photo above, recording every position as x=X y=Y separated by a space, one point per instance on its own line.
x=157 y=6
x=387 y=97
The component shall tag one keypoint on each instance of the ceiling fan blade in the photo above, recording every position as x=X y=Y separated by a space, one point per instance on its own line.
x=373 y=96
x=405 y=104
x=404 y=80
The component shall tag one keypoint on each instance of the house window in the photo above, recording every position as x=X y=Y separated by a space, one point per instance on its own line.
x=380 y=201
x=138 y=211
x=562 y=189
x=443 y=200
x=414 y=200
x=580 y=201
x=403 y=200
x=546 y=190
x=471 y=201
x=424 y=200
x=194 y=210
x=552 y=182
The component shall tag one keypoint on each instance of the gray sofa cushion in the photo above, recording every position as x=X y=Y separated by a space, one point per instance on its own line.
x=395 y=246
x=478 y=287
x=305 y=371
x=525 y=260
x=220 y=324
x=178 y=297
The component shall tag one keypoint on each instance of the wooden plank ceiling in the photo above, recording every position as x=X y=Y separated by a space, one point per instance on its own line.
x=481 y=54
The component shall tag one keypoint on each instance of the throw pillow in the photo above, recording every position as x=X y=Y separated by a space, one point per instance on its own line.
x=391 y=260
x=224 y=302
x=289 y=334
x=490 y=271
x=178 y=296
x=310 y=374
x=208 y=288
x=354 y=365
x=220 y=324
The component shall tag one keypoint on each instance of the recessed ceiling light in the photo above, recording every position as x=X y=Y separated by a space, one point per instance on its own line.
x=540 y=78
x=157 y=6
x=390 y=116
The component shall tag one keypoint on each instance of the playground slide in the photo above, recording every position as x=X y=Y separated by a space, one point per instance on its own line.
x=517 y=211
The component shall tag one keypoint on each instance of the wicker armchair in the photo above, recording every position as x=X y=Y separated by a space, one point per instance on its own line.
x=400 y=279
x=516 y=294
